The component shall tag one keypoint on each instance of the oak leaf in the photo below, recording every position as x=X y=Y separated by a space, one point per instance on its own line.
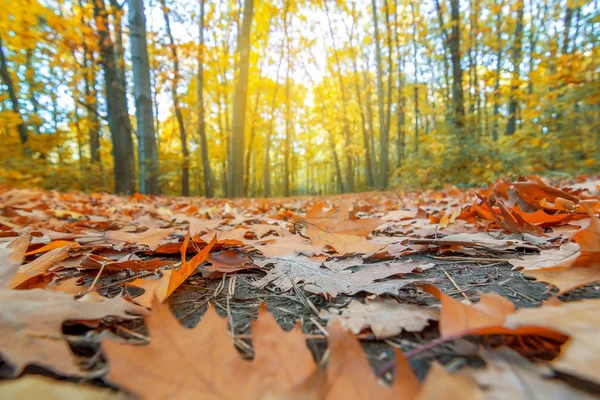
x=385 y=317
x=41 y=387
x=31 y=322
x=291 y=270
x=29 y=272
x=335 y=228
x=203 y=363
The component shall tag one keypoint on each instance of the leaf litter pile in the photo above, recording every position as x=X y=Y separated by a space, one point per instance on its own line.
x=463 y=294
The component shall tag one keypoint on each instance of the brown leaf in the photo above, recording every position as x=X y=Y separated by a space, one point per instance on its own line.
x=203 y=363
x=335 y=228
x=385 y=317
x=31 y=322
x=29 y=272
x=11 y=258
x=150 y=237
x=291 y=270
x=580 y=356
x=41 y=387
x=487 y=317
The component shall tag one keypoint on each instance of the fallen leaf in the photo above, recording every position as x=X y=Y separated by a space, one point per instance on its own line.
x=11 y=258
x=486 y=317
x=385 y=317
x=203 y=363
x=291 y=270
x=51 y=246
x=188 y=268
x=507 y=375
x=334 y=228
x=275 y=246
x=580 y=355
x=150 y=237
x=41 y=387
x=228 y=261
x=31 y=322
x=578 y=269
x=27 y=273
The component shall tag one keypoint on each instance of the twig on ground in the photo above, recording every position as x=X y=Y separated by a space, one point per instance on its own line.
x=462 y=292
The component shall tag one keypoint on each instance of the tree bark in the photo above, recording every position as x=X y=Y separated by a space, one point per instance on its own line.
x=499 y=52
x=239 y=105
x=511 y=125
x=383 y=131
x=206 y=171
x=147 y=153
x=457 y=87
x=118 y=120
x=349 y=170
x=185 y=164
x=12 y=95
x=288 y=104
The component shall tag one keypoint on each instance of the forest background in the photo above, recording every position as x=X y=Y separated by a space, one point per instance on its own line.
x=287 y=97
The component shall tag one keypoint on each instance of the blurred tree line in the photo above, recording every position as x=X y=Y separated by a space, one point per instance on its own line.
x=257 y=98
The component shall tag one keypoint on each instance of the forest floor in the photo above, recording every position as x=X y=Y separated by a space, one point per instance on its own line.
x=372 y=262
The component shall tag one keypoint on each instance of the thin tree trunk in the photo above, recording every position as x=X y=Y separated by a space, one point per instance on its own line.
x=250 y=150
x=416 y=84
x=267 y=164
x=206 y=171
x=239 y=105
x=371 y=129
x=185 y=165
x=383 y=131
x=495 y=128
x=347 y=134
x=12 y=95
x=388 y=28
x=147 y=157
x=511 y=125
x=445 y=43
x=288 y=104
x=118 y=120
x=457 y=88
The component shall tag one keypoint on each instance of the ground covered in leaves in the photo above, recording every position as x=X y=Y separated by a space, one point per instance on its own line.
x=490 y=292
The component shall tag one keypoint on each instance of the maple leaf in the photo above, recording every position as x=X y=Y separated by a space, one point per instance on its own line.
x=275 y=246
x=31 y=322
x=203 y=363
x=11 y=258
x=335 y=228
x=385 y=317
x=291 y=270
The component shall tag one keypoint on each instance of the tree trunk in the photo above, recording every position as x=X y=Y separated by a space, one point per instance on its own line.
x=239 y=105
x=185 y=165
x=206 y=171
x=250 y=150
x=445 y=43
x=118 y=120
x=288 y=105
x=147 y=157
x=457 y=87
x=416 y=83
x=267 y=165
x=383 y=131
x=511 y=125
x=495 y=128
x=349 y=170
x=12 y=95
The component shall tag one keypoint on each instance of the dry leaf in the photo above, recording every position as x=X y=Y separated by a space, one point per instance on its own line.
x=11 y=258
x=27 y=273
x=334 y=228
x=41 y=387
x=291 y=270
x=580 y=355
x=507 y=375
x=31 y=322
x=385 y=317
x=203 y=363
